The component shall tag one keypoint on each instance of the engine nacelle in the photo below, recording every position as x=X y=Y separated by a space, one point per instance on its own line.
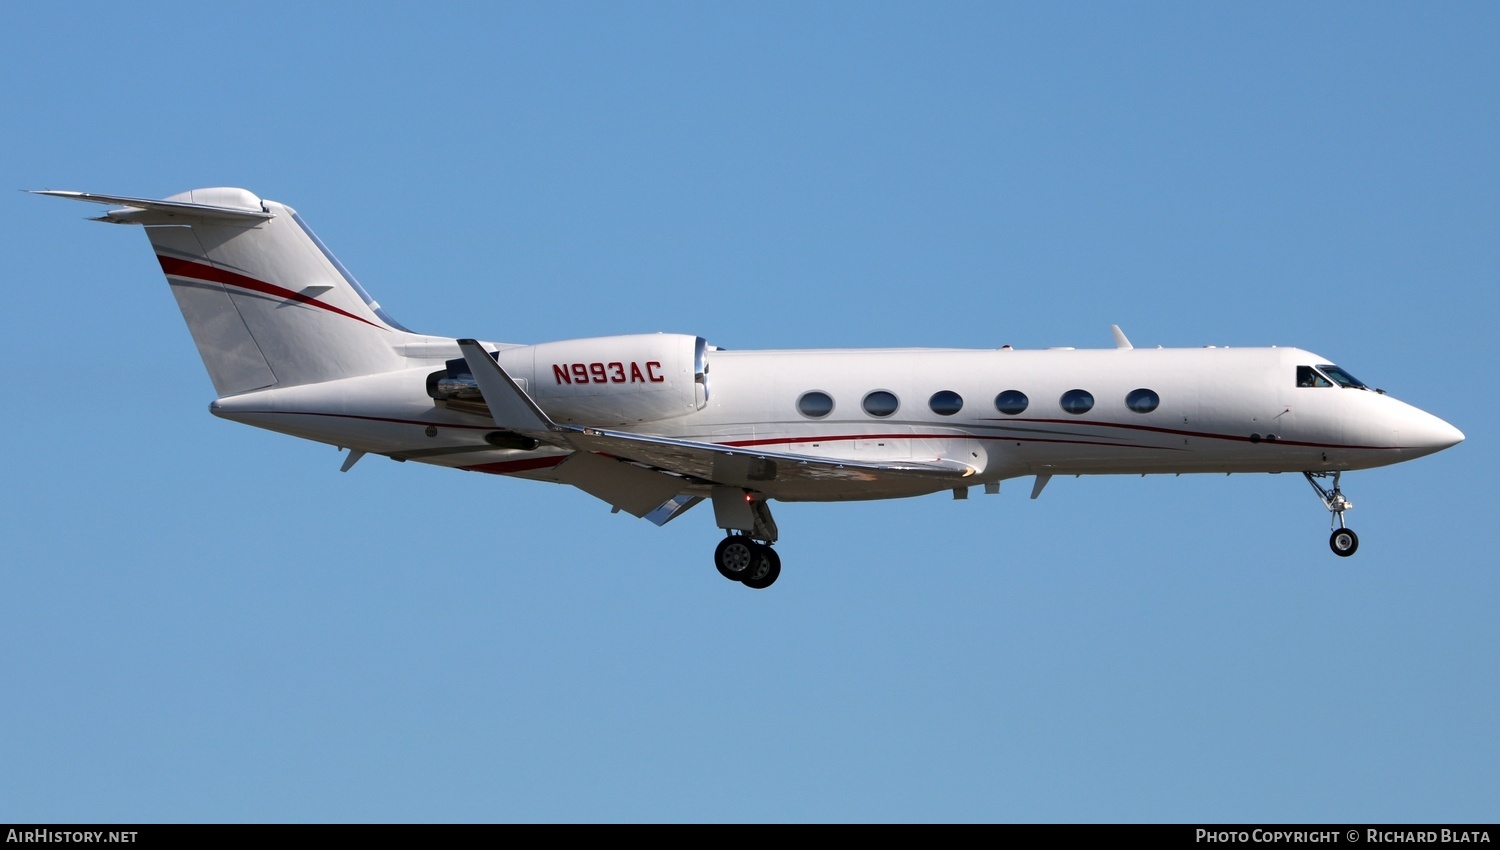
x=604 y=381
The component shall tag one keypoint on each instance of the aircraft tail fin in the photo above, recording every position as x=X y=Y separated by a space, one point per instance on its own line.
x=266 y=302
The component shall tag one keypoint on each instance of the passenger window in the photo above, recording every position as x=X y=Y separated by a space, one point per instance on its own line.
x=1011 y=402
x=815 y=404
x=1142 y=400
x=1077 y=402
x=1307 y=376
x=946 y=403
x=881 y=403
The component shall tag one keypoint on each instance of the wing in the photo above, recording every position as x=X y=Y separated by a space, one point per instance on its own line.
x=689 y=464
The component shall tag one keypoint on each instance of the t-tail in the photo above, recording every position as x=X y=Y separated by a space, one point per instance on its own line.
x=266 y=302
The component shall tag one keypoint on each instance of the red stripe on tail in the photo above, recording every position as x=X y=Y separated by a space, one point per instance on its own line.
x=198 y=271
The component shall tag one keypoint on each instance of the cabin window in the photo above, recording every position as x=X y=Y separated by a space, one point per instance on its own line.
x=1307 y=376
x=815 y=405
x=1077 y=402
x=881 y=403
x=1142 y=400
x=1011 y=402
x=946 y=402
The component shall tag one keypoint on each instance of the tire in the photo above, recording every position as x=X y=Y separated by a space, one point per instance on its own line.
x=1343 y=542
x=766 y=568
x=735 y=556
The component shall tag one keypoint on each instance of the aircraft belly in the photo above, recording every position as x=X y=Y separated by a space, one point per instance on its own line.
x=408 y=441
x=811 y=491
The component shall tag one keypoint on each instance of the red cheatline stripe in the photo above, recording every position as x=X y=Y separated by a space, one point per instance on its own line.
x=834 y=438
x=1204 y=434
x=376 y=419
x=771 y=441
x=198 y=271
x=1064 y=439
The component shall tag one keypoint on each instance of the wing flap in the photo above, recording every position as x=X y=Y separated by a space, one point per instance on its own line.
x=753 y=470
x=623 y=485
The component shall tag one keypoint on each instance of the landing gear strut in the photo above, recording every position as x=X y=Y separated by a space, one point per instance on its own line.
x=745 y=555
x=1343 y=541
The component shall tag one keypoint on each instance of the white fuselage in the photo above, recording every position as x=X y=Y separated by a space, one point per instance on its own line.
x=1216 y=410
x=653 y=424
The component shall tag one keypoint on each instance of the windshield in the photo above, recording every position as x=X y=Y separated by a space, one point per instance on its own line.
x=1340 y=377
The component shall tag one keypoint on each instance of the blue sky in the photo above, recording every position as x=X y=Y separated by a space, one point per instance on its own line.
x=205 y=622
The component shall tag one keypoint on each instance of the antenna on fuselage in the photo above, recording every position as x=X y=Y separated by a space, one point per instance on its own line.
x=1120 y=340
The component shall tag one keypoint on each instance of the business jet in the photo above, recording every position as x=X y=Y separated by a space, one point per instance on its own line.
x=653 y=424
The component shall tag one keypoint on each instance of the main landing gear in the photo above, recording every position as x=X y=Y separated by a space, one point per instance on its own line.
x=1343 y=541
x=745 y=555
x=749 y=562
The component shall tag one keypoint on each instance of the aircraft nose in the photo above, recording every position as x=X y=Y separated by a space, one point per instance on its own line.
x=1429 y=433
x=1449 y=436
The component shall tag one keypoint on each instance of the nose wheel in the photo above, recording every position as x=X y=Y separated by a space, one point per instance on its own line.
x=1344 y=542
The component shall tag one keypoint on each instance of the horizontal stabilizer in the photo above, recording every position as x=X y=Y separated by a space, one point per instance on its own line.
x=247 y=214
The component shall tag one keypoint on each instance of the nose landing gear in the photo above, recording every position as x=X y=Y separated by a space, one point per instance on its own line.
x=1344 y=542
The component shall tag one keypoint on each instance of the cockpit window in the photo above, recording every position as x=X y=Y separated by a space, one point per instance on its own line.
x=1307 y=376
x=1340 y=377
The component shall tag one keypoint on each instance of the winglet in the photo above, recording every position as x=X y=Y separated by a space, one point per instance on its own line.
x=1120 y=340
x=509 y=405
